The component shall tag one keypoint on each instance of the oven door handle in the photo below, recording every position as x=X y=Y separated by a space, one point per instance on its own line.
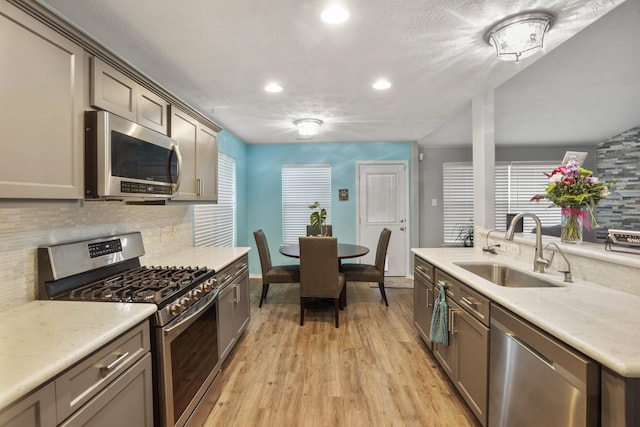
x=176 y=329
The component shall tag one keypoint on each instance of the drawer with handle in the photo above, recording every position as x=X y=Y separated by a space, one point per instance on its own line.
x=78 y=385
x=423 y=269
x=470 y=300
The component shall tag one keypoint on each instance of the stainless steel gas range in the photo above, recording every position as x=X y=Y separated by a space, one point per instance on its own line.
x=185 y=347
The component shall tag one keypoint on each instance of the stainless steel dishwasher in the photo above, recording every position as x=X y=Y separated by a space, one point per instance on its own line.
x=536 y=380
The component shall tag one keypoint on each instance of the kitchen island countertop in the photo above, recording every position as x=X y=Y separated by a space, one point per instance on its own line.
x=41 y=339
x=602 y=323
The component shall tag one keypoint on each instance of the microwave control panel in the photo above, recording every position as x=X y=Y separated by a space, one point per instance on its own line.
x=140 y=188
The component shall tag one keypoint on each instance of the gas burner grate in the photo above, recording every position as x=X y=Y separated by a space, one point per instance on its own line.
x=144 y=284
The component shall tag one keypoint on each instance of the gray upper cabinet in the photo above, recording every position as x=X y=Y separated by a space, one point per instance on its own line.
x=207 y=163
x=112 y=91
x=199 y=150
x=41 y=124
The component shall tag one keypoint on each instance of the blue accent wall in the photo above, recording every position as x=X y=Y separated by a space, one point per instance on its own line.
x=264 y=186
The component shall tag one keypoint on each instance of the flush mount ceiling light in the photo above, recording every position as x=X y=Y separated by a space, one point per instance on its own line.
x=308 y=128
x=334 y=15
x=381 y=84
x=273 y=87
x=519 y=36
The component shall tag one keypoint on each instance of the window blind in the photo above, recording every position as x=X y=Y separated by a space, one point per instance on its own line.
x=519 y=182
x=515 y=184
x=302 y=185
x=457 y=199
x=215 y=224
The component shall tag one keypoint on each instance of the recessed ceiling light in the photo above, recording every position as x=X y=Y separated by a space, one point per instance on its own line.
x=273 y=88
x=381 y=84
x=335 y=15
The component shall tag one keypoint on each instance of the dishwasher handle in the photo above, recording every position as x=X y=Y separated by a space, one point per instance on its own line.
x=535 y=352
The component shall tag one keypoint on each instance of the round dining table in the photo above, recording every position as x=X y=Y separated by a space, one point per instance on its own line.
x=345 y=250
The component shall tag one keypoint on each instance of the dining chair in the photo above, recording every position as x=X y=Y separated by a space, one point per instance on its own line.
x=312 y=231
x=369 y=272
x=273 y=273
x=320 y=275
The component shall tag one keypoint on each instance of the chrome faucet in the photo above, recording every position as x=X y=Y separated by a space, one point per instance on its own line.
x=539 y=263
x=567 y=272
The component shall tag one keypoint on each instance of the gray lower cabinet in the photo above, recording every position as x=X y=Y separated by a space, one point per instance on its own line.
x=36 y=410
x=423 y=298
x=41 y=125
x=465 y=359
x=111 y=387
x=128 y=400
x=233 y=305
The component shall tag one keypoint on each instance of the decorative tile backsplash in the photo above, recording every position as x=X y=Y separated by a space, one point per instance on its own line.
x=618 y=160
x=164 y=229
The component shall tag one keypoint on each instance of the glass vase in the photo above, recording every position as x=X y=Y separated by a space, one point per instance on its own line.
x=572 y=223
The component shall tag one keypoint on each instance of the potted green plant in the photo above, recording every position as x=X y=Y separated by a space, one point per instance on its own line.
x=465 y=234
x=318 y=218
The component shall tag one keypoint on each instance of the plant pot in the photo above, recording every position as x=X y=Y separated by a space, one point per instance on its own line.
x=572 y=223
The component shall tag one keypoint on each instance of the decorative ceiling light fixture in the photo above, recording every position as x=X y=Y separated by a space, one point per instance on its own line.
x=519 y=36
x=308 y=128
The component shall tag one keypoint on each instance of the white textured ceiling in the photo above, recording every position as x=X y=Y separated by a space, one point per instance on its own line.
x=218 y=55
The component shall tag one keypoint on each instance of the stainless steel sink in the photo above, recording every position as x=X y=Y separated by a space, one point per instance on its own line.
x=503 y=275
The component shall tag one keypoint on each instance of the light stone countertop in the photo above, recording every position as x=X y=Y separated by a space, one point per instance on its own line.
x=212 y=257
x=600 y=322
x=41 y=339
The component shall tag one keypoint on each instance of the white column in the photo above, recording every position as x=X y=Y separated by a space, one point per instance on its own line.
x=484 y=156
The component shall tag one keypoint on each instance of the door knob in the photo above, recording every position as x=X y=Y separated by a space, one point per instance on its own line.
x=401 y=228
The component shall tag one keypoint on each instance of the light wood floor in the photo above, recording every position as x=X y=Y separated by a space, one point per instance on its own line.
x=372 y=371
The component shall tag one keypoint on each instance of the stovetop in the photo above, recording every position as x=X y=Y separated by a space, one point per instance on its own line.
x=158 y=285
x=108 y=269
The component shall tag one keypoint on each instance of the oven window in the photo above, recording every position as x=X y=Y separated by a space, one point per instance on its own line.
x=194 y=355
x=136 y=159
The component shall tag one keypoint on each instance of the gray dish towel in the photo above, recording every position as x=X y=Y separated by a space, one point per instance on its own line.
x=439 y=332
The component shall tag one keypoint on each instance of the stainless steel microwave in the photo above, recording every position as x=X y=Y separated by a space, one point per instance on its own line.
x=126 y=161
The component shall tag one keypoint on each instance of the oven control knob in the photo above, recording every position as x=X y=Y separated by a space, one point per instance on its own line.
x=208 y=286
x=196 y=294
x=175 y=309
x=185 y=303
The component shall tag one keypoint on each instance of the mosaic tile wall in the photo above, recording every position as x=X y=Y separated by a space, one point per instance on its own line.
x=619 y=160
x=22 y=229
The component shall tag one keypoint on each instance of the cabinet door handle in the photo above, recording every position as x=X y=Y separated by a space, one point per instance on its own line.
x=236 y=289
x=198 y=187
x=452 y=318
x=429 y=292
x=104 y=370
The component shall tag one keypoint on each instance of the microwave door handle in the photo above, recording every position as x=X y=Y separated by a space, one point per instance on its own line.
x=176 y=150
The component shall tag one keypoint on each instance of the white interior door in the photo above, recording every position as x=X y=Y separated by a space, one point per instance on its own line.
x=382 y=202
